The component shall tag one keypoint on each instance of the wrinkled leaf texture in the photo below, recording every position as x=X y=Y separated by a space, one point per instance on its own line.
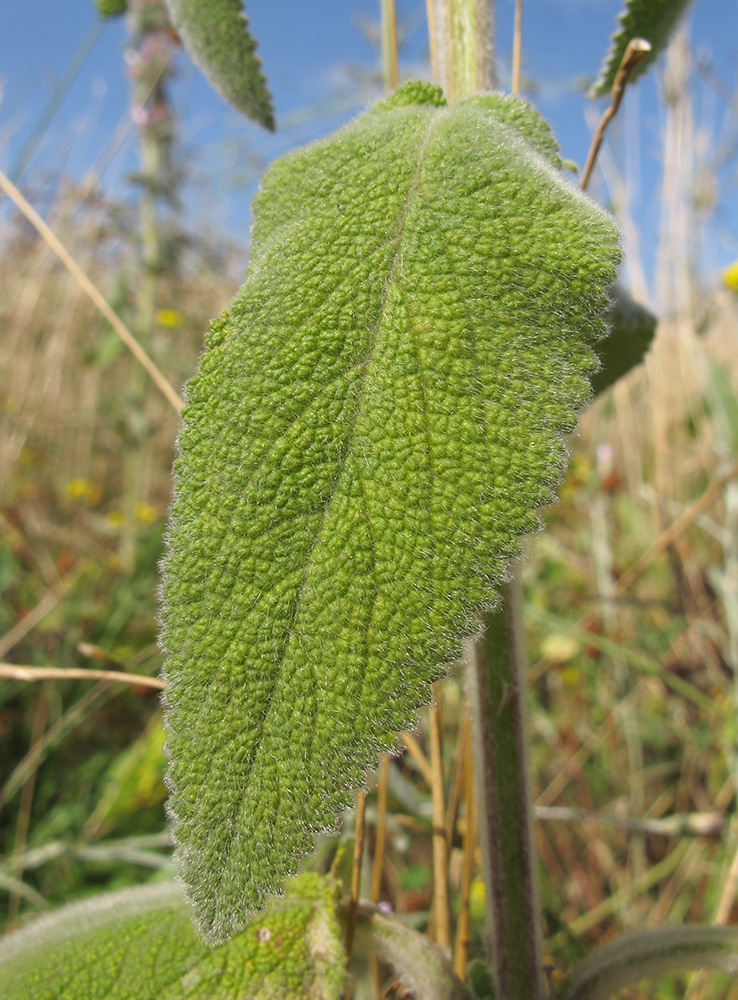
x=373 y=424
x=653 y=20
x=139 y=944
x=216 y=34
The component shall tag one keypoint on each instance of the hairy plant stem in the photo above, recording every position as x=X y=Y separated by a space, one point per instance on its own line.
x=462 y=51
x=390 y=68
x=497 y=697
x=462 y=40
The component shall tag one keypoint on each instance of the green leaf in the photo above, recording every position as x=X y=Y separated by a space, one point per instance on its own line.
x=648 y=953
x=139 y=944
x=216 y=34
x=632 y=329
x=110 y=8
x=374 y=423
x=653 y=20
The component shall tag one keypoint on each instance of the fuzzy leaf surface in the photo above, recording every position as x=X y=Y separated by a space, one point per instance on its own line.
x=216 y=34
x=139 y=944
x=373 y=425
x=653 y=20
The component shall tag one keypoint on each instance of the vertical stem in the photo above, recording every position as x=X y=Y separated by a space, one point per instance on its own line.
x=378 y=861
x=150 y=53
x=517 y=48
x=461 y=947
x=441 y=907
x=497 y=697
x=356 y=871
x=463 y=31
x=430 y=8
x=390 y=68
x=381 y=836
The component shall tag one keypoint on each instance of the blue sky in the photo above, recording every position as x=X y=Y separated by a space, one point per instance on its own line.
x=310 y=52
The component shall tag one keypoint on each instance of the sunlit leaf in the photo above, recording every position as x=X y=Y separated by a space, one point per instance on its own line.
x=373 y=425
x=139 y=944
x=653 y=20
x=216 y=34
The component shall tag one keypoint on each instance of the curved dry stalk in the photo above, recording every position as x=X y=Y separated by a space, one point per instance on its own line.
x=636 y=52
x=91 y=290
x=15 y=672
x=37 y=613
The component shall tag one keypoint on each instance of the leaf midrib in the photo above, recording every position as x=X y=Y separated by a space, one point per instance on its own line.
x=412 y=191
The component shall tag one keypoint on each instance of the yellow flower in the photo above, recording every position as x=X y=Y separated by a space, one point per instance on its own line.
x=169 y=317
x=559 y=648
x=82 y=489
x=145 y=513
x=730 y=276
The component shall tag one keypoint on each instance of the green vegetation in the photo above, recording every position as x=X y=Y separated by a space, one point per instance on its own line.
x=378 y=416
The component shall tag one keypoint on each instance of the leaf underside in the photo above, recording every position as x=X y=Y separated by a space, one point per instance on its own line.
x=139 y=944
x=372 y=427
x=216 y=34
x=653 y=20
x=631 y=331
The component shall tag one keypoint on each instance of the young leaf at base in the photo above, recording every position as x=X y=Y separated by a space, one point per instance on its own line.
x=373 y=425
x=139 y=944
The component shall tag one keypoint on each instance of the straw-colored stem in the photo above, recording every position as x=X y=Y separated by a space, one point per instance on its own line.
x=441 y=900
x=356 y=870
x=22 y=673
x=381 y=830
x=461 y=46
x=461 y=946
x=380 y=841
x=415 y=751
x=390 y=66
x=517 y=48
x=90 y=290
